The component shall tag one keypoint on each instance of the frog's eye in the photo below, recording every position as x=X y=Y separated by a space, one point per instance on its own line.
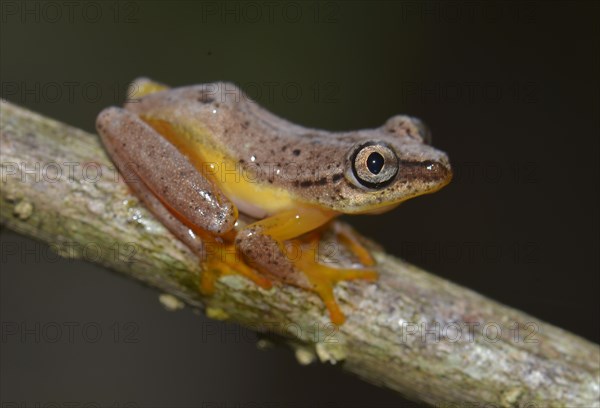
x=374 y=164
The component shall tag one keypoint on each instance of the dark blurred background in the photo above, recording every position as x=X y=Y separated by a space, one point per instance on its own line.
x=510 y=91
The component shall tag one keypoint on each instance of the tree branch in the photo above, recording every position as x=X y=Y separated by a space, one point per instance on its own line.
x=411 y=331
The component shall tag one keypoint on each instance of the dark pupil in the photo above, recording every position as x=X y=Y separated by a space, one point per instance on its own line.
x=375 y=162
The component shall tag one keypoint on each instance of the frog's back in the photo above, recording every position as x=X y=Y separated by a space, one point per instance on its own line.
x=221 y=117
x=306 y=165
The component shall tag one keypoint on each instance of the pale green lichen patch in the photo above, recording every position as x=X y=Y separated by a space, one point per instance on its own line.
x=264 y=344
x=234 y=282
x=170 y=302
x=23 y=210
x=96 y=207
x=305 y=355
x=10 y=195
x=511 y=397
x=331 y=352
x=217 y=313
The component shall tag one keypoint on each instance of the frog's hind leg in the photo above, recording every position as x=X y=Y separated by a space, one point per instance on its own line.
x=177 y=228
x=146 y=155
x=222 y=258
x=171 y=188
x=212 y=255
x=110 y=124
x=298 y=263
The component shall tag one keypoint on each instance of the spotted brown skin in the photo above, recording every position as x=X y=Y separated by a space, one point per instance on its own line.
x=186 y=191
x=314 y=165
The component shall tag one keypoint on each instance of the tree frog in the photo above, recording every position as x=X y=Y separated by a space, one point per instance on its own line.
x=203 y=155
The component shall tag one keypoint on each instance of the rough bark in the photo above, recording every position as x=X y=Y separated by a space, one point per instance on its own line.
x=411 y=331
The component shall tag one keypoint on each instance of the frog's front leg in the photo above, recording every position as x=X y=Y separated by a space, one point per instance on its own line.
x=175 y=192
x=346 y=235
x=263 y=242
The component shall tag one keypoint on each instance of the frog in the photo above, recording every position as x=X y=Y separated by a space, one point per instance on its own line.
x=238 y=184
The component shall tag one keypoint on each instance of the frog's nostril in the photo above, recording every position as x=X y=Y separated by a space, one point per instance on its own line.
x=428 y=171
x=437 y=171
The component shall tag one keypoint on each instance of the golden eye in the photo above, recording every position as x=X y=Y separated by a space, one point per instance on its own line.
x=374 y=164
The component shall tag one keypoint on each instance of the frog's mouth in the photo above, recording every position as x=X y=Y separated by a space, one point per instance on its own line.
x=413 y=180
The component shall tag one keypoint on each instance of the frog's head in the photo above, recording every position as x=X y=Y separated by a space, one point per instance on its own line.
x=389 y=165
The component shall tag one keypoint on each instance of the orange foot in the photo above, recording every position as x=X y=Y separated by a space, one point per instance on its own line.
x=223 y=259
x=323 y=278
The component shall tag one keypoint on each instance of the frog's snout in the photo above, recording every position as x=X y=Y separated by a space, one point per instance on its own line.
x=431 y=174
x=437 y=172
